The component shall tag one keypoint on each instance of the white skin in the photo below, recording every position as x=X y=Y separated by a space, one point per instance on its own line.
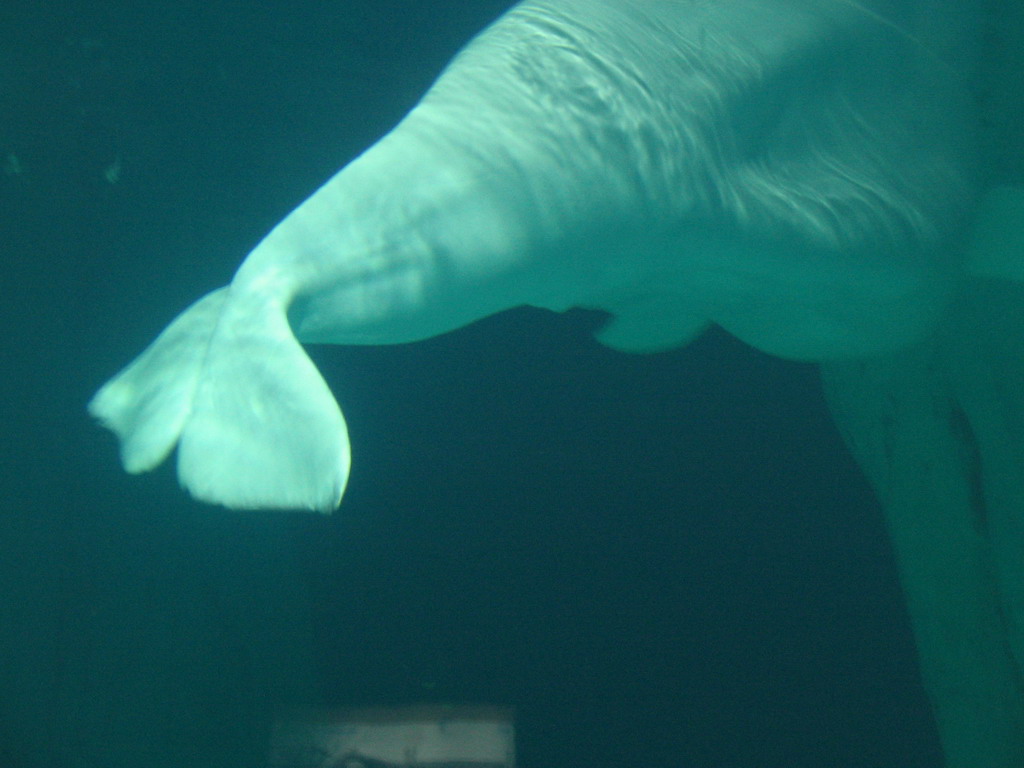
x=673 y=163
x=556 y=164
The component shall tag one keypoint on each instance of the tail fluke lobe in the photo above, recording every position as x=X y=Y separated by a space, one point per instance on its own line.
x=255 y=423
x=146 y=404
x=265 y=430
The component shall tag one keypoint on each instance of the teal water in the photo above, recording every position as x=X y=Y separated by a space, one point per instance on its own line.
x=659 y=561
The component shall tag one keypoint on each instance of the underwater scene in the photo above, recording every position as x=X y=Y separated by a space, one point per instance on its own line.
x=650 y=392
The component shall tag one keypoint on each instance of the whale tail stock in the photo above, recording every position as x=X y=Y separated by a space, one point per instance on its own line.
x=228 y=383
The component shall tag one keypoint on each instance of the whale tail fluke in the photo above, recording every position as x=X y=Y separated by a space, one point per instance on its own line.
x=227 y=382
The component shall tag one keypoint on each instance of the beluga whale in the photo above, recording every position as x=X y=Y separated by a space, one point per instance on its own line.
x=788 y=170
x=802 y=173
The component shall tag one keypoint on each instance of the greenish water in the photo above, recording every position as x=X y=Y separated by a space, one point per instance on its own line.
x=660 y=561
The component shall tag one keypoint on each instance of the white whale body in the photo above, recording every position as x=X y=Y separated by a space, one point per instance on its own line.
x=675 y=163
x=803 y=173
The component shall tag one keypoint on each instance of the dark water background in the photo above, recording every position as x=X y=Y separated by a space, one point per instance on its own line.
x=658 y=561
